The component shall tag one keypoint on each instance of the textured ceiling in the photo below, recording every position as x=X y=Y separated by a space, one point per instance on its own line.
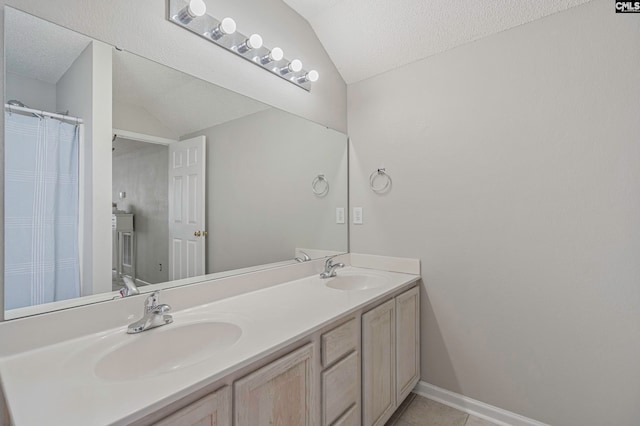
x=180 y=101
x=368 y=37
x=38 y=49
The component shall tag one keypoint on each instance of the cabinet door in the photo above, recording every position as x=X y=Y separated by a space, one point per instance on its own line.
x=378 y=364
x=350 y=418
x=282 y=393
x=212 y=410
x=407 y=342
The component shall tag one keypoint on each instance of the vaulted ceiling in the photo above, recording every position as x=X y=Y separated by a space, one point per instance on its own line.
x=181 y=102
x=174 y=102
x=38 y=49
x=368 y=37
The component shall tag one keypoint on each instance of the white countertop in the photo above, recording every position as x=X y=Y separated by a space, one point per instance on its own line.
x=57 y=385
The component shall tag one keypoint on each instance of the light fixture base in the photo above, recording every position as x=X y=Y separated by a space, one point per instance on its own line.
x=203 y=25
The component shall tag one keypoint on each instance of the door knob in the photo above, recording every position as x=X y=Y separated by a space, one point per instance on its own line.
x=197 y=234
x=205 y=233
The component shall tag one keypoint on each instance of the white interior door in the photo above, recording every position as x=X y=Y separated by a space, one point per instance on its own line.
x=187 y=208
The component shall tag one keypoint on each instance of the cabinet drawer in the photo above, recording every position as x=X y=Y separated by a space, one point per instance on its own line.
x=339 y=342
x=340 y=388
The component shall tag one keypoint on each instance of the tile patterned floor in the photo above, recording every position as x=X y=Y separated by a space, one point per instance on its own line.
x=419 y=411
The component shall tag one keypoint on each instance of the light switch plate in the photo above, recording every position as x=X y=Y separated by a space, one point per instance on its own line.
x=339 y=214
x=357 y=215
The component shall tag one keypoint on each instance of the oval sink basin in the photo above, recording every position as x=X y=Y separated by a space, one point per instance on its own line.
x=356 y=282
x=165 y=349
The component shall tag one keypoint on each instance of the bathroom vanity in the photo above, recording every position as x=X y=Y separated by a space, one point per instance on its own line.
x=308 y=351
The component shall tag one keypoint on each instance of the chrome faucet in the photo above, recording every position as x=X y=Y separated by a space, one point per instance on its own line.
x=154 y=315
x=304 y=258
x=330 y=268
x=130 y=288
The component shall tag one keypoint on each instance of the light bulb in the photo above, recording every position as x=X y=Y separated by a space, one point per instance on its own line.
x=311 y=76
x=293 y=66
x=226 y=27
x=194 y=9
x=253 y=42
x=276 y=54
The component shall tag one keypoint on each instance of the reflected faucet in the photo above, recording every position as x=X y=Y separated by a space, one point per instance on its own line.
x=154 y=315
x=305 y=257
x=330 y=268
x=130 y=288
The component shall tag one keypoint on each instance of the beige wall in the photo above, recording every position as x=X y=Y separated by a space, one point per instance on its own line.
x=133 y=118
x=516 y=173
x=34 y=93
x=260 y=205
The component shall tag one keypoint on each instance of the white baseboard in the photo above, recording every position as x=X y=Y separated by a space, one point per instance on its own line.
x=474 y=407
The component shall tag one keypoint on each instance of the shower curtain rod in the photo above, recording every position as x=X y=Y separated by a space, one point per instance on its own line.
x=13 y=108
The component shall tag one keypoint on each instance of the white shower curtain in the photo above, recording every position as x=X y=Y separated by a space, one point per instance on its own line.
x=41 y=211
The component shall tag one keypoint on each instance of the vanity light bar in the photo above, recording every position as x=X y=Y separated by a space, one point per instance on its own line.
x=191 y=14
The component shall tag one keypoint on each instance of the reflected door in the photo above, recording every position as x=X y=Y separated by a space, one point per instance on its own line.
x=187 y=208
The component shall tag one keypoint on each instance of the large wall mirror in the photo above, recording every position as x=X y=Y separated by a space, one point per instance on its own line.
x=124 y=175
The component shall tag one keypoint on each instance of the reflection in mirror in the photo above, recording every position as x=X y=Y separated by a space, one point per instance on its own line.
x=203 y=181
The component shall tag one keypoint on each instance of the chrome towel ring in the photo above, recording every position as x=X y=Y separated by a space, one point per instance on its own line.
x=380 y=174
x=320 y=185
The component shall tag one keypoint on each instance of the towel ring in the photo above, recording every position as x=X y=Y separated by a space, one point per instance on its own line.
x=387 y=181
x=320 y=185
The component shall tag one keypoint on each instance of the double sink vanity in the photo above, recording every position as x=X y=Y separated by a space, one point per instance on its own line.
x=281 y=346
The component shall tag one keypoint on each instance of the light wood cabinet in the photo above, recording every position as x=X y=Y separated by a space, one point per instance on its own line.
x=353 y=372
x=350 y=418
x=281 y=393
x=212 y=410
x=378 y=364
x=390 y=356
x=339 y=342
x=407 y=342
x=340 y=389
